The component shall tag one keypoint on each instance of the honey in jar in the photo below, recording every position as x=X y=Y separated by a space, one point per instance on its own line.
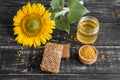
x=87 y=30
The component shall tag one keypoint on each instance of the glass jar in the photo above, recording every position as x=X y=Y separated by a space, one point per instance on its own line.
x=87 y=30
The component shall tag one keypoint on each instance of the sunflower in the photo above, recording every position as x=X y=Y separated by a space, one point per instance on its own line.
x=33 y=26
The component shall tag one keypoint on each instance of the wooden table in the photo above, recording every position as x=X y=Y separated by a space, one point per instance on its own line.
x=14 y=66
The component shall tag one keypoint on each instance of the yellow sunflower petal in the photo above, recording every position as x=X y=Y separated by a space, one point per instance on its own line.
x=46 y=15
x=24 y=9
x=29 y=8
x=51 y=24
x=48 y=36
x=17 y=30
x=37 y=41
x=30 y=40
x=34 y=7
x=41 y=9
x=38 y=7
x=43 y=40
x=20 y=38
x=24 y=41
x=17 y=19
x=16 y=24
x=20 y=13
x=27 y=41
x=49 y=30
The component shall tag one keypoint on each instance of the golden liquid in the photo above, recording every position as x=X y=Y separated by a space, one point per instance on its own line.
x=86 y=32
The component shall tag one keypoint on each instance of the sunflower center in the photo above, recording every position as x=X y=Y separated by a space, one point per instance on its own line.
x=33 y=25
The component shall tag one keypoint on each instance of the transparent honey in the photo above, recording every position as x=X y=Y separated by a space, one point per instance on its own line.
x=87 y=30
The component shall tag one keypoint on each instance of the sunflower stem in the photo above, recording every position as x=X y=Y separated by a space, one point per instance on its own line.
x=62 y=12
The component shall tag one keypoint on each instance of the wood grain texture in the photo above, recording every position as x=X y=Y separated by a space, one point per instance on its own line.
x=10 y=64
x=25 y=66
x=104 y=11
x=62 y=77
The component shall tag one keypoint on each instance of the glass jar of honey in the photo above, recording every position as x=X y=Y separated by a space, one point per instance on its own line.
x=87 y=30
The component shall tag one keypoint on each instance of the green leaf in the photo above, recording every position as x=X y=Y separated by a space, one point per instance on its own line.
x=57 y=4
x=69 y=2
x=52 y=16
x=77 y=10
x=62 y=24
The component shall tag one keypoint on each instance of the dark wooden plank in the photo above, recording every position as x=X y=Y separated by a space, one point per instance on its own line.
x=103 y=11
x=19 y=3
x=101 y=1
x=61 y=77
x=29 y=59
x=108 y=35
x=117 y=11
x=9 y=13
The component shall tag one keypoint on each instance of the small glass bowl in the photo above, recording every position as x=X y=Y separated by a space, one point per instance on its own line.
x=87 y=61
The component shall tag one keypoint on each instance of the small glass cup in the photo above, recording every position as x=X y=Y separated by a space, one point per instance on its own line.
x=87 y=30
